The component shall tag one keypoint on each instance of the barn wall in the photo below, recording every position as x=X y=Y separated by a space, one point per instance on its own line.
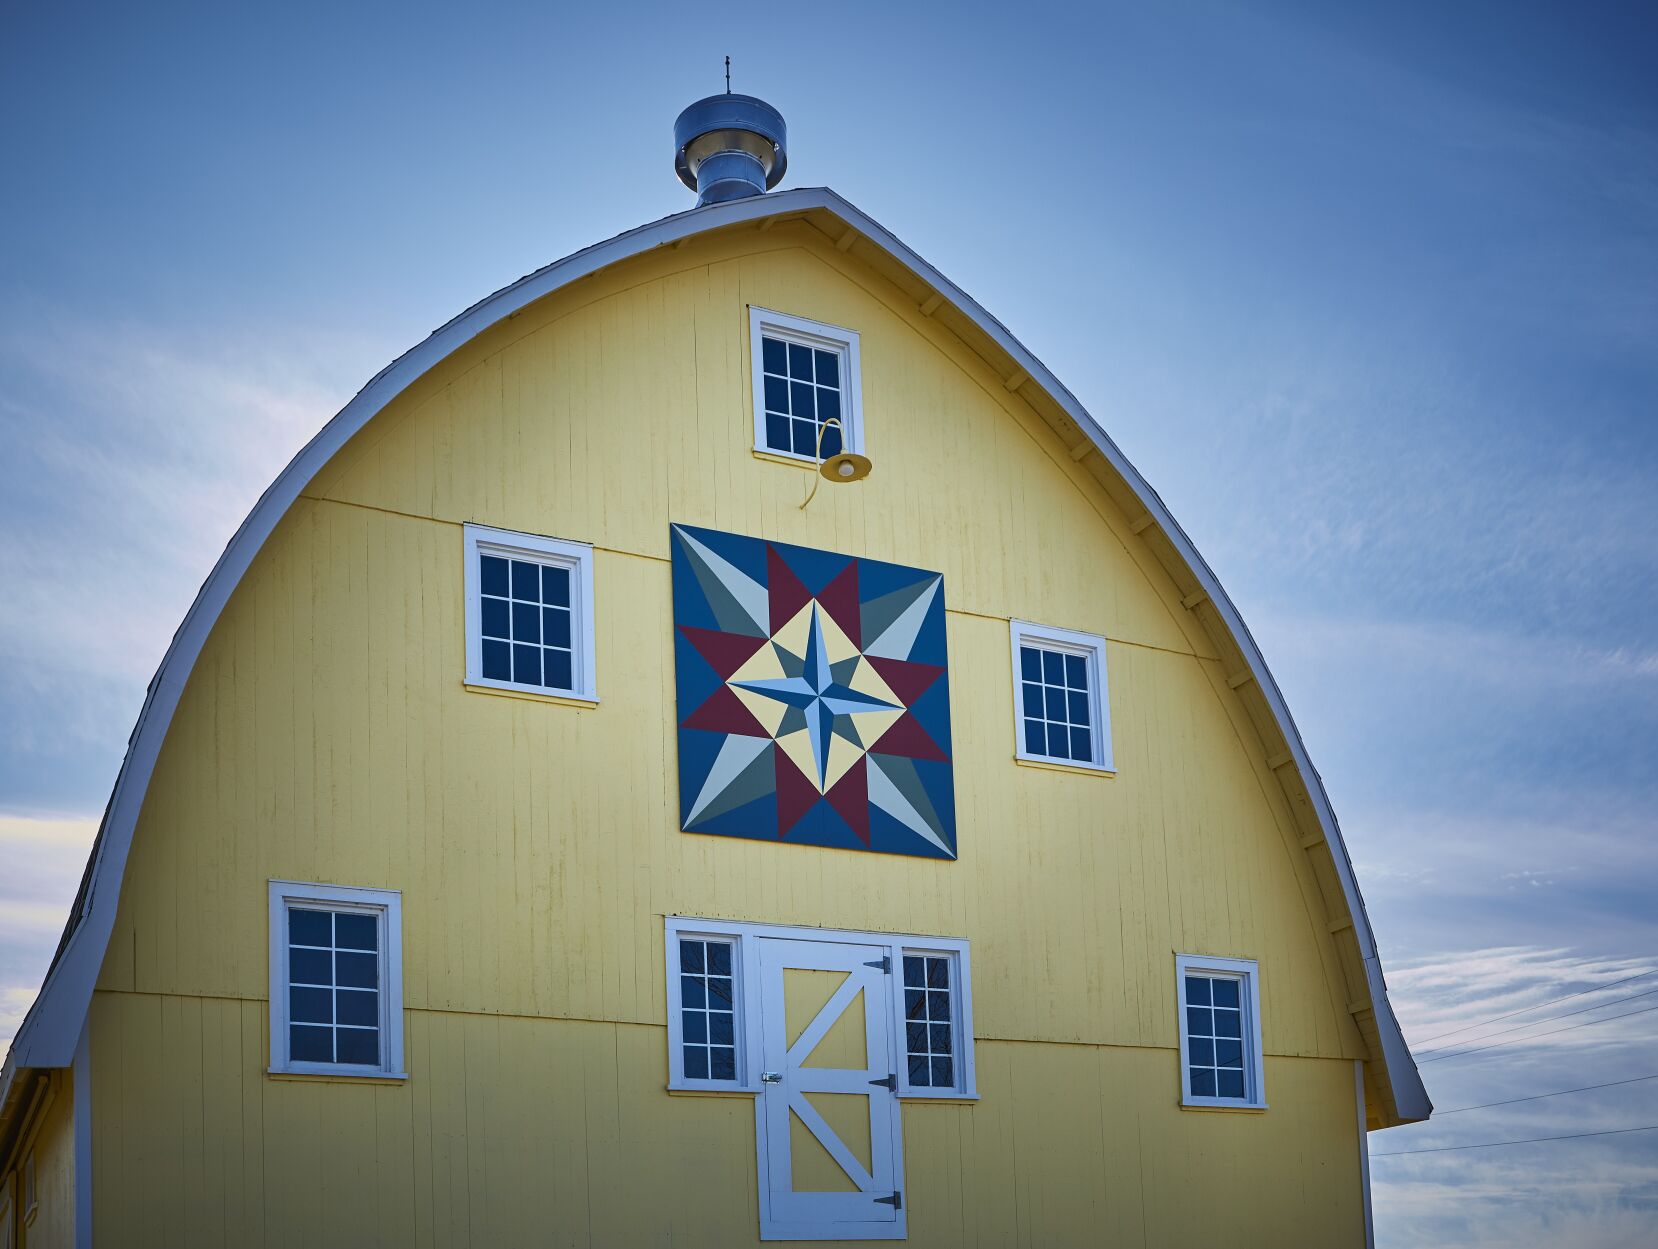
x=326 y=735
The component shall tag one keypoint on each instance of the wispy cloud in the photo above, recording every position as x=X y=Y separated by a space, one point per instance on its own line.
x=43 y=860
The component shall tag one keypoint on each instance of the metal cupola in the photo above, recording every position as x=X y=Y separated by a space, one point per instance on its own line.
x=729 y=147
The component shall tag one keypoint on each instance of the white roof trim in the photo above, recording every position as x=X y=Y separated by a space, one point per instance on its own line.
x=52 y=1027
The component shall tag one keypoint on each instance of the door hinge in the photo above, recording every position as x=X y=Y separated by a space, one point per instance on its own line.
x=889 y=1082
x=884 y=963
x=896 y=1201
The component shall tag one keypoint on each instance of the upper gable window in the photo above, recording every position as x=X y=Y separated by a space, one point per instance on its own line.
x=1220 y=1031
x=805 y=375
x=529 y=613
x=1061 y=710
x=336 y=980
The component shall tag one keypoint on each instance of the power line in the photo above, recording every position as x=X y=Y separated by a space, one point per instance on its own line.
x=1535 y=1140
x=1532 y=1023
x=1611 y=984
x=1610 y=1084
x=1538 y=1036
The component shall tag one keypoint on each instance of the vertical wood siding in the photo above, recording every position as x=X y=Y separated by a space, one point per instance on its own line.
x=326 y=735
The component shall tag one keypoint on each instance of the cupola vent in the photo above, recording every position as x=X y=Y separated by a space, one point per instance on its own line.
x=730 y=147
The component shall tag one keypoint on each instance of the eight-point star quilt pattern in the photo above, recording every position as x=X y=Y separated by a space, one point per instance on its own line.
x=814 y=697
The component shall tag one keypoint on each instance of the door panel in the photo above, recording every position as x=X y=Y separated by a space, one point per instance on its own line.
x=827 y=1124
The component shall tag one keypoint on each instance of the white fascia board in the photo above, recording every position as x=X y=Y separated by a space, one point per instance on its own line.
x=52 y=1027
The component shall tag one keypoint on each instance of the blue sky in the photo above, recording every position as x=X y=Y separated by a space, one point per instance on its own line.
x=1369 y=293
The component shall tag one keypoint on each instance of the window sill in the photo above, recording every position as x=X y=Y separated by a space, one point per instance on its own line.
x=512 y=691
x=339 y=1077
x=1236 y=1108
x=1051 y=765
x=942 y=1099
x=788 y=461
x=675 y=1090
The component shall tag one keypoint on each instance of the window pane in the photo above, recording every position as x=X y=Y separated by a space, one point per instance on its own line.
x=555 y=586
x=1198 y=1021
x=1076 y=672
x=943 y=1073
x=358 y=970
x=1033 y=699
x=722 y=1063
x=800 y=400
x=1227 y=1023
x=1078 y=707
x=356 y=932
x=492 y=575
x=1203 y=1082
x=938 y=1005
x=1231 y=1083
x=1055 y=702
x=913 y=971
x=1035 y=742
x=696 y=1026
x=310 y=967
x=719 y=959
x=691 y=992
x=915 y=1037
x=940 y=1037
x=1197 y=990
x=1201 y=1051
x=800 y=362
x=311 y=1005
x=1059 y=744
x=1053 y=668
x=310 y=927
x=495 y=618
x=719 y=993
x=357 y=1006
x=690 y=956
x=311 y=1045
x=1030 y=663
x=777 y=433
x=526 y=665
x=720 y=1029
x=920 y=1071
x=1082 y=745
x=1226 y=992
x=938 y=973
x=777 y=395
x=526 y=581
x=831 y=438
x=526 y=622
x=696 y=1062
x=915 y=1003
x=828 y=369
x=773 y=357
x=555 y=626
x=1228 y=1053
x=498 y=661
x=828 y=404
x=805 y=437
x=358 y=1045
x=559 y=671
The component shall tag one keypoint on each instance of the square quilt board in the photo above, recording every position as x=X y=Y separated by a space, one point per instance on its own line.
x=813 y=697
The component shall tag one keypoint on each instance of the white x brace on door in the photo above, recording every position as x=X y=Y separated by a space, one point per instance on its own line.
x=827 y=1121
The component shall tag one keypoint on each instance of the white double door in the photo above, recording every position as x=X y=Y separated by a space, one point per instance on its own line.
x=827 y=1121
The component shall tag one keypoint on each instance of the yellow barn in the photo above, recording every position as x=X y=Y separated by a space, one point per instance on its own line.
x=715 y=745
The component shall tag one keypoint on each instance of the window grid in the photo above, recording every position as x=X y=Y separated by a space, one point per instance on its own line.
x=929 y=1028
x=802 y=387
x=1214 y=1036
x=527 y=621
x=1057 y=704
x=333 y=986
x=708 y=1017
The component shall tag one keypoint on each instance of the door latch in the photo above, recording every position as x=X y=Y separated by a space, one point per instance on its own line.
x=886 y=1082
x=771 y=1077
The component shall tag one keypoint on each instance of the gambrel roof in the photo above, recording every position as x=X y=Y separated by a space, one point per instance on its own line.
x=1394 y=1089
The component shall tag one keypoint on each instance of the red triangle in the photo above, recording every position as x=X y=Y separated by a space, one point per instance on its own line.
x=787 y=593
x=796 y=795
x=850 y=798
x=907 y=680
x=840 y=599
x=907 y=739
x=724 y=713
x=725 y=652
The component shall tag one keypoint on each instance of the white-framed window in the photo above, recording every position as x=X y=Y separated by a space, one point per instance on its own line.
x=336 y=980
x=1061 y=701
x=805 y=374
x=1220 y=1031
x=929 y=1001
x=529 y=613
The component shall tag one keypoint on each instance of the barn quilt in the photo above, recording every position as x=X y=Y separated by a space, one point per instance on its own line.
x=814 y=697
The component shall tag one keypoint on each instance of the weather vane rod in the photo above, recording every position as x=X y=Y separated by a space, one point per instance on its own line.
x=728 y=75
